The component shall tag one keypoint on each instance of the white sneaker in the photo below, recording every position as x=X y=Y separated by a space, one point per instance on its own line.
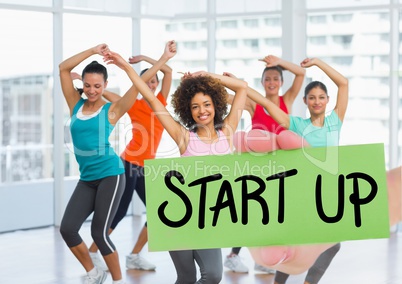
x=235 y=264
x=98 y=279
x=261 y=268
x=136 y=261
x=97 y=261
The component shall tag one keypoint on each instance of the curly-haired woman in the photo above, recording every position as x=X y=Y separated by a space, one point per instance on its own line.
x=205 y=128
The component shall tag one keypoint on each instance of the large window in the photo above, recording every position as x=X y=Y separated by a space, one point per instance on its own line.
x=113 y=6
x=244 y=31
x=241 y=44
x=311 y=4
x=362 y=56
x=172 y=9
x=39 y=3
x=25 y=96
x=247 y=6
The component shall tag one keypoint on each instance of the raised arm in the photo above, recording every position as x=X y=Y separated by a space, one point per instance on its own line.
x=165 y=69
x=175 y=129
x=239 y=87
x=249 y=105
x=290 y=95
x=340 y=81
x=113 y=97
x=121 y=106
x=273 y=110
x=70 y=93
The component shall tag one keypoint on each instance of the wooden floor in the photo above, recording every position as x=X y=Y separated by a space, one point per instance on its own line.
x=40 y=256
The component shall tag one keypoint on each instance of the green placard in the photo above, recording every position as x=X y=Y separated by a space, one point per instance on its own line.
x=302 y=196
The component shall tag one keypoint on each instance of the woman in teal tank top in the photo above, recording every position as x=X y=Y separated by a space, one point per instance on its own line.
x=319 y=130
x=102 y=179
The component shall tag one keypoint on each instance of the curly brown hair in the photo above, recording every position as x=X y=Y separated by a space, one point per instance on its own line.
x=188 y=88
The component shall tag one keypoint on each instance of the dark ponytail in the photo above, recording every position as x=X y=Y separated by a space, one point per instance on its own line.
x=95 y=67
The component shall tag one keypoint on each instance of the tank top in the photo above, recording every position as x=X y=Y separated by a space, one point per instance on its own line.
x=197 y=147
x=146 y=132
x=93 y=152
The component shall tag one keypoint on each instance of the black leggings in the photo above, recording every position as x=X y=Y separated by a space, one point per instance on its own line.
x=318 y=269
x=236 y=250
x=102 y=197
x=134 y=181
x=209 y=261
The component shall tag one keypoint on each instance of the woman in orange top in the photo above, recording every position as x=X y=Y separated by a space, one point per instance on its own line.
x=146 y=136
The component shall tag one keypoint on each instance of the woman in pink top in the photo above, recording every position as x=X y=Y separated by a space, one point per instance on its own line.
x=205 y=128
